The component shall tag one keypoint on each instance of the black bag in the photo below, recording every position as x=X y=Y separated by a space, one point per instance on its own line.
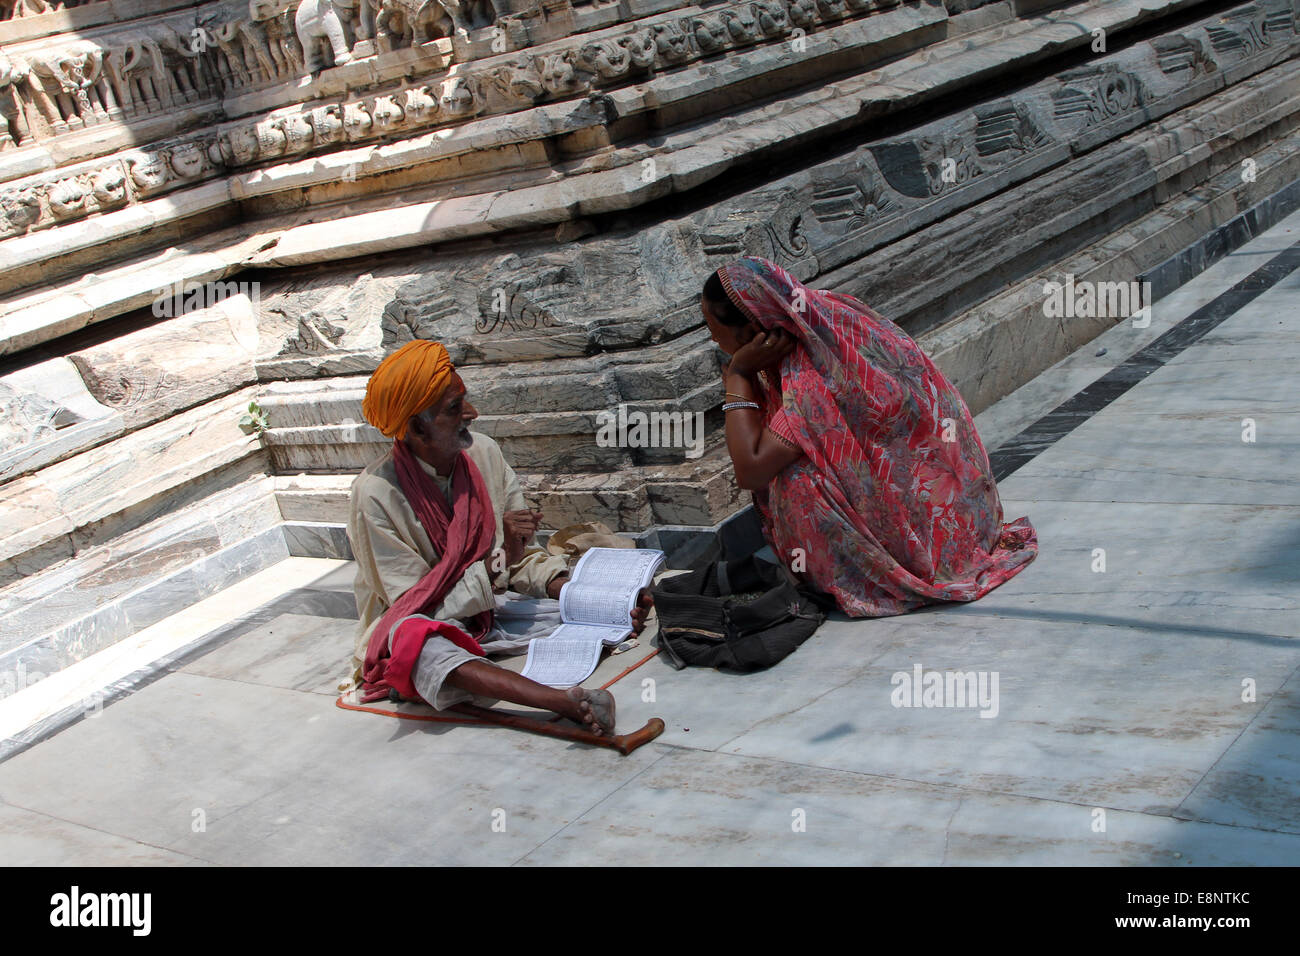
x=740 y=615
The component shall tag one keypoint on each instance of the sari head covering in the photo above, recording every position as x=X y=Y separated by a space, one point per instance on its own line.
x=894 y=504
x=405 y=384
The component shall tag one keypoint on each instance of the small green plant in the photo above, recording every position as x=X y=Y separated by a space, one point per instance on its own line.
x=254 y=420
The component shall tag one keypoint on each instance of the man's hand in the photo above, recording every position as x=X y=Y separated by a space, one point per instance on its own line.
x=557 y=582
x=518 y=528
x=643 y=605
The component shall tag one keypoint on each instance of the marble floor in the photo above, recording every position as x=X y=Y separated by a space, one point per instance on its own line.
x=1140 y=702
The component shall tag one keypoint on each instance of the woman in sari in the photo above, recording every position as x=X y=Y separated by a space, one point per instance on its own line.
x=864 y=461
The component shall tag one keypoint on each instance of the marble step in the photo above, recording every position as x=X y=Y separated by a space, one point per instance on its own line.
x=61 y=510
x=736 y=535
x=999 y=344
x=697 y=493
x=72 y=403
x=51 y=619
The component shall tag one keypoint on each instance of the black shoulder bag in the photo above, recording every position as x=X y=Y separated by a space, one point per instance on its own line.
x=741 y=615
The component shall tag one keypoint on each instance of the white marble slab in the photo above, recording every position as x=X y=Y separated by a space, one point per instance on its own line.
x=1230 y=571
x=28 y=838
x=1178 y=438
x=705 y=809
x=292 y=651
x=1257 y=782
x=80 y=687
x=286 y=776
x=1100 y=715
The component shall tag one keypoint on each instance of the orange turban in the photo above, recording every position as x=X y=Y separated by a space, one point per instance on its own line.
x=405 y=384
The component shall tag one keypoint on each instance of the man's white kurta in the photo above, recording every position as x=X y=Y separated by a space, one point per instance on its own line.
x=393 y=551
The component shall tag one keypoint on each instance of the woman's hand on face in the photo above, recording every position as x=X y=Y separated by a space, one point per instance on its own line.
x=764 y=350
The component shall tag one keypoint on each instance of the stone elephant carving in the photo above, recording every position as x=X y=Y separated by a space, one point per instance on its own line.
x=418 y=21
x=244 y=52
x=12 y=77
x=69 y=87
x=333 y=23
x=158 y=68
x=405 y=22
x=466 y=15
x=320 y=24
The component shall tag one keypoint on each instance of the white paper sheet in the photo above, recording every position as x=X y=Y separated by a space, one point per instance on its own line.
x=606 y=583
x=557 y=662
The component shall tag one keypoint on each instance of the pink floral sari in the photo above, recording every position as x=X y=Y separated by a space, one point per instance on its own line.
x=893 y=505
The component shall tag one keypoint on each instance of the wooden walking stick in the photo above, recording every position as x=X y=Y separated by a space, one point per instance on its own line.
x=623 y=743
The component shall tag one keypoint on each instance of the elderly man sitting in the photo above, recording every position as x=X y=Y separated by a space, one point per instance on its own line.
x=438 y=527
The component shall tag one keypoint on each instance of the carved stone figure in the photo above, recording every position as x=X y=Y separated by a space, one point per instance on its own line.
x=244 y=54
x=108 y=185
x=281 y=42
x=401 y=23
x=238 y=146
x=386 y=113
x=803 y=13
x=466 y=15
x=459 y=97
x=319 y=24
x=149 y=171
x=18 y=210
x=187 y=160
x=419 y=105
x=67 y=198
x=605 y=58
x=671 y=42
x=741 y=24
x=772 y=18
x=271 y=140
x=558 y=75
x=327 y=124
x=519 y=80
x=356 y=120
x=12 y=77
x=710 y=35
x=298 y=132
x=640 y=48
x=160 y=68
x=68 y=85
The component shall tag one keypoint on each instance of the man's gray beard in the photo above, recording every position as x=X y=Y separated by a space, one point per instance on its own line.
x=466 y=438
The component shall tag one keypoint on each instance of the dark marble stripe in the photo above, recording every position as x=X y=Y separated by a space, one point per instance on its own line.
x=1074 y=411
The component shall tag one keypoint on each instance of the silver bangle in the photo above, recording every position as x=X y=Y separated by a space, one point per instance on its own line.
x=728 y=406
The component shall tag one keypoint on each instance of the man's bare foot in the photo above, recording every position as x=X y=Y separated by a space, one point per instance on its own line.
x=595 y=707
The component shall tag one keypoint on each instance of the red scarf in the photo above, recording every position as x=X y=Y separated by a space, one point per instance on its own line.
x=462 y=532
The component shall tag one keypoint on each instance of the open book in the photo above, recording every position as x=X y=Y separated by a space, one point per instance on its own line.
x=596 y=607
